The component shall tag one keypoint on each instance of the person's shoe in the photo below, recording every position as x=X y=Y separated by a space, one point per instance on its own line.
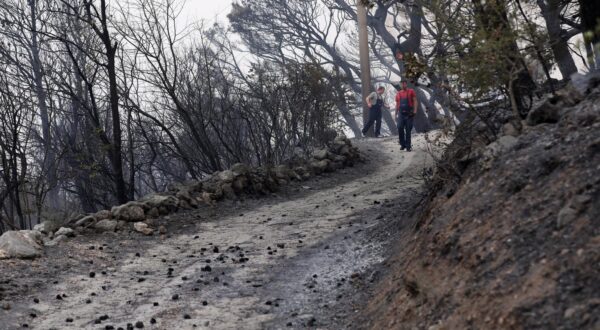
x=402 y=148
x=409 y=149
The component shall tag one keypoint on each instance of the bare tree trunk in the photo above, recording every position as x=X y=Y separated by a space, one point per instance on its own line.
x=350 y=120
x=49 y=165
x=116 y=147
x=560 y=48
x=365 y=65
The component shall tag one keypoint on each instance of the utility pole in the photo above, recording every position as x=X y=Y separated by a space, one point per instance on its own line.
x=365 y=65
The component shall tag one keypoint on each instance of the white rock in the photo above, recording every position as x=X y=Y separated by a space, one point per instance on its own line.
x=143 y=228
x=106 y=225
x=85 y=221
x=321 y=154
x=565 y=216
x=56 y=240
x=227 y=176
x=21 y=244
x=131 y=211
x=101 y=215
x=45 y=227
x=159 y=200
x=65 y=231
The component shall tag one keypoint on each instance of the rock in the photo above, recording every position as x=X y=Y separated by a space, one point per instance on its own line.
x=565 y=216
x=498 y=147
x=21 y=244
x=282 y=172
x=162 y=230
x=321 y=154
x=184 y=194
x=102 y=215
x=228 y=191
x=46 y=227
x=143 y=228
x=131 y=211
x=342 y=139
x=240 y=183
x=345 y=151
x=510 y=129
x=208 y=198
x=338 y=158
x=319 y=166
x=153 y=213
x=570 y=312
x=547 y=112
x=86 y=221
x=106 y=225
x=57 y=240
x=151 y=222
x=226 y=176
x=153 y=200
x=65 y=231
x=580 y=202
x=185 y=205
x=334 y=166
x=240 y=169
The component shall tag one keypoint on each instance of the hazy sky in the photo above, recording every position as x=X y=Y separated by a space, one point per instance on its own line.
x=209 y=10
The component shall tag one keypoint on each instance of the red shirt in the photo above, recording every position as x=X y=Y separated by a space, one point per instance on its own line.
x=409 y=92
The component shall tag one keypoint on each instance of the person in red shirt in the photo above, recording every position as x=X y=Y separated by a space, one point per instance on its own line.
x=406 y=109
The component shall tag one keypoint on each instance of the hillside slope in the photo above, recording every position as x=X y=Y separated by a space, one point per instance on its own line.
x=516 y=243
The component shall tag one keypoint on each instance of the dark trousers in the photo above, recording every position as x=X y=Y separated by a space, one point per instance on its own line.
x=405 y=126
x=374 y=117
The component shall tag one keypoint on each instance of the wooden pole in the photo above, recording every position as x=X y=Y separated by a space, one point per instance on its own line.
x=365 y=66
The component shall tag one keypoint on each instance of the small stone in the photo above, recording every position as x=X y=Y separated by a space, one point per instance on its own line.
x=69 y=320
x=565 y=216
x=92 y=274
x=162 y=230
x=143 y=228
x=152 y=321
x=36 y=300
x=570 y=312
x=175 y=297
x=187 y=316
x=139 y=324
x=155 y=304
x=204 y=303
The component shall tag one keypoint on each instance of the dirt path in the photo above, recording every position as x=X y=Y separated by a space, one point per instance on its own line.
x=297 y=259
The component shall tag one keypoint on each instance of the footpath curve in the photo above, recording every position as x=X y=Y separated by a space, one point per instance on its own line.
x=303 y=257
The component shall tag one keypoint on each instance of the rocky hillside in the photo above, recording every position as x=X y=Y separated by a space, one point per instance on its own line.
x=510 y=237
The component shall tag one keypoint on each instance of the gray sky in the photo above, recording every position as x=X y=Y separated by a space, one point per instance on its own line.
x=209 y=10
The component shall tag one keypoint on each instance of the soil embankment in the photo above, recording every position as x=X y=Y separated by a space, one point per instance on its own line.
x=515 y=244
